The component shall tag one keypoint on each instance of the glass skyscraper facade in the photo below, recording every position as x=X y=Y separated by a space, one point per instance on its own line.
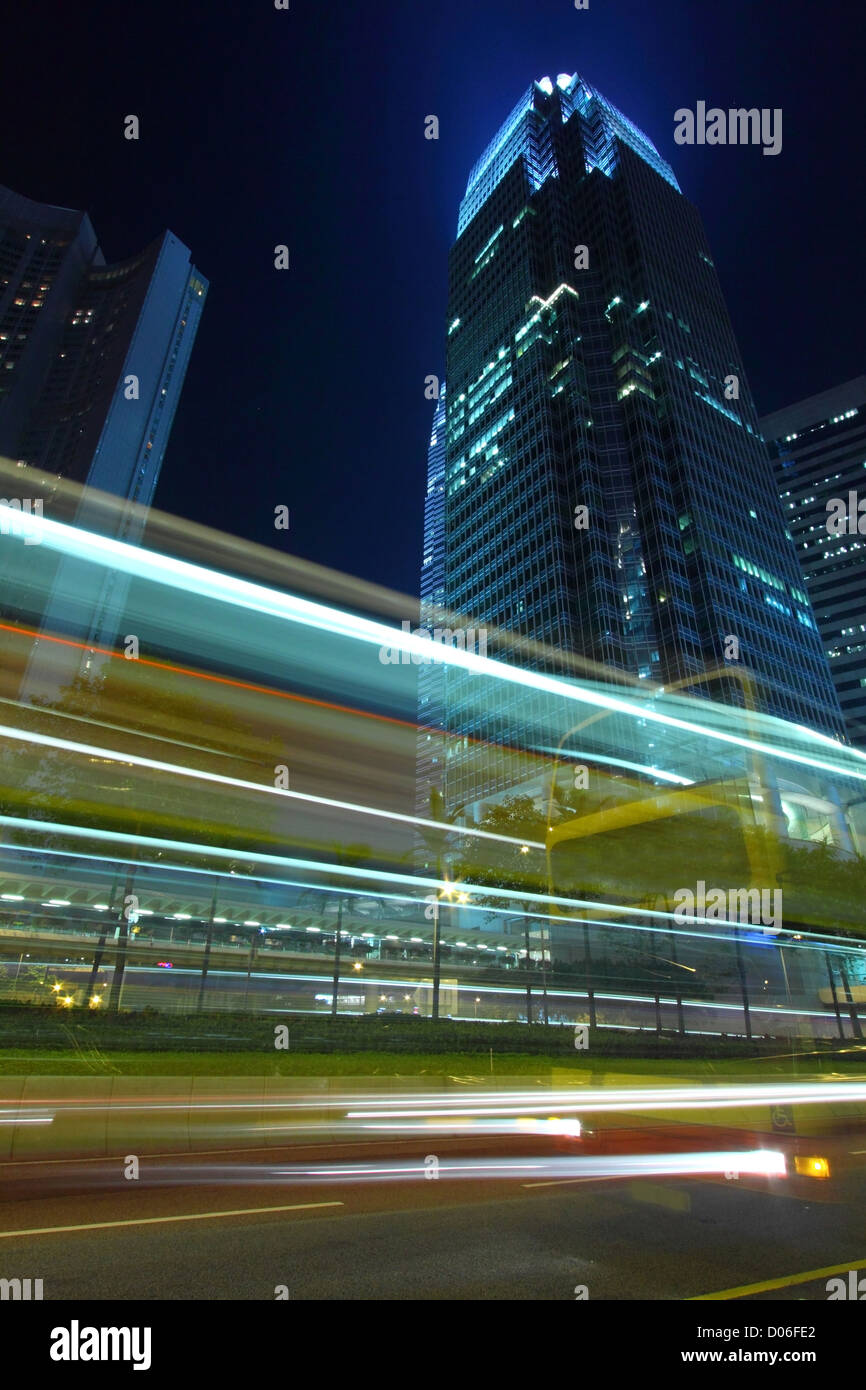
x=92 y=362
x=72 y=330
x=819 y=451
x=607 y=493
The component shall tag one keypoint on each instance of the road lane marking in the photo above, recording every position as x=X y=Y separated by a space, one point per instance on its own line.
x=656 y=1195
x=157 y=1220
x=769 y=1284
x=564 y=1182
x=189 y=1153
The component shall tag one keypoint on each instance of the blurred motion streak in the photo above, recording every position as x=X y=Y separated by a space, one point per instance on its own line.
x=223 y=813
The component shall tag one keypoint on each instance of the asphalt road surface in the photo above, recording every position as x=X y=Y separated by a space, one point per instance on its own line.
x=231 y=1226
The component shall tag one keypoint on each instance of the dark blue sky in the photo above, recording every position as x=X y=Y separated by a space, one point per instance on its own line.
x=261 y=126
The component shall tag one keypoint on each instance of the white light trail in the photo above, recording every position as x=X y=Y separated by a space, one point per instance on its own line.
x=175 y=770
x=505 y=895
x=149 y=565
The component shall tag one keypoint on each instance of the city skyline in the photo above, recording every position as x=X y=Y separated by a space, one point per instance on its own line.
x=426 y=810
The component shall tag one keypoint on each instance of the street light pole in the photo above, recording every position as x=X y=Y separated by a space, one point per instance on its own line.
x=849 y=999
x=253 y=944
x=436 y=964
x=544 y=954
x=785 y=975
x=335 y=988
x=207 y=945
x=121 y=936
x=744 y=986
x=528 y=980
x=834 y=995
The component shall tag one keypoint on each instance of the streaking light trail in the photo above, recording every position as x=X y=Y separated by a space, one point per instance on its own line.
x=151 y=566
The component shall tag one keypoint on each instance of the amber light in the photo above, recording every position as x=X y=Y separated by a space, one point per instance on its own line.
x=812 y=1167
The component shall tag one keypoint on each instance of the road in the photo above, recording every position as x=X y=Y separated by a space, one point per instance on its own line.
x=230 y=1226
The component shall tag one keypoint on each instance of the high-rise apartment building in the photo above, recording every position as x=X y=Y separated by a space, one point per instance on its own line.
x=819 y=451
x=607 y=492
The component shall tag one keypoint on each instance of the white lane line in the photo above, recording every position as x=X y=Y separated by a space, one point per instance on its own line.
x=156 y=1220
x=187 y=1153
x=564 y=1182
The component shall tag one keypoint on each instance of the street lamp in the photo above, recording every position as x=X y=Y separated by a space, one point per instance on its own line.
x=527 y=966
x=450 y=891
x=436 y=965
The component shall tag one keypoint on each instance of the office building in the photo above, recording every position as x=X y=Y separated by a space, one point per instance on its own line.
x=607 y=493
x=818 y=447
x=92 y=362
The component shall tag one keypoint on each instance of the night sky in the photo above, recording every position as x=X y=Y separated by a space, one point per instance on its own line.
x=261 y=126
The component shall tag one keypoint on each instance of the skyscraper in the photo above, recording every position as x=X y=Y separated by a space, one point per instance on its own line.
x=92 y=362
x=607 y=491
x=819 y=450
